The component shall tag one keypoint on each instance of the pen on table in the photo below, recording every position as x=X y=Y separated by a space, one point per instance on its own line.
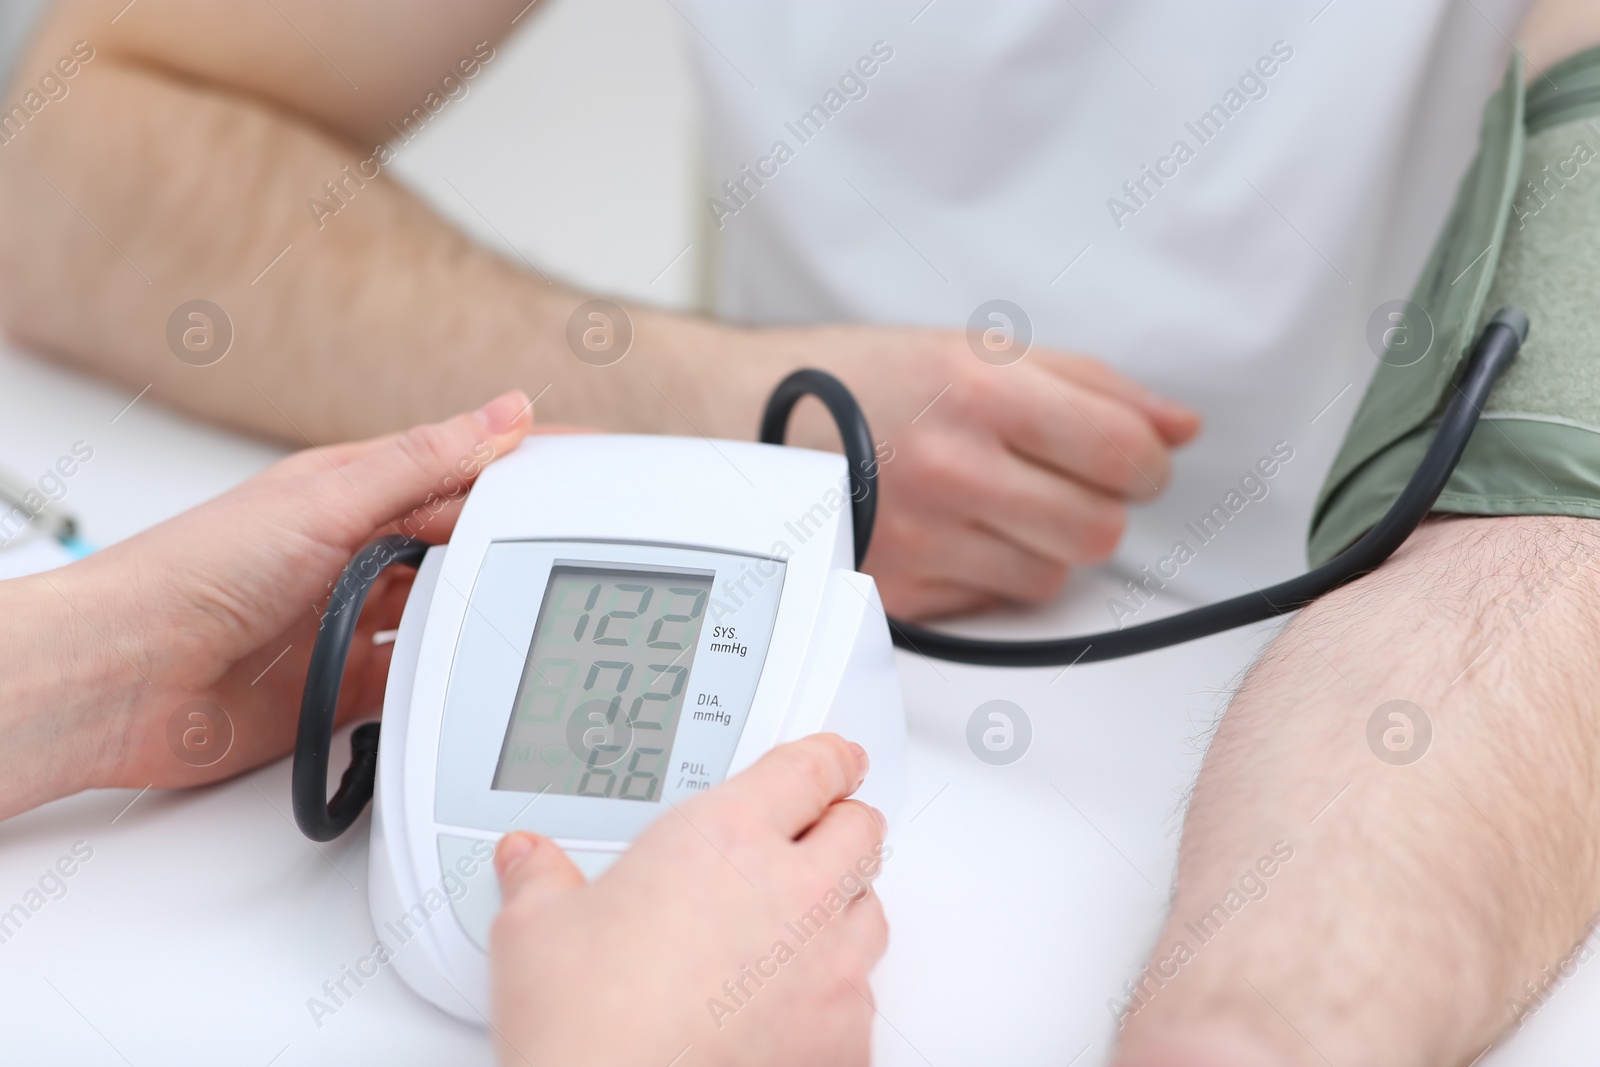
x=45 y=517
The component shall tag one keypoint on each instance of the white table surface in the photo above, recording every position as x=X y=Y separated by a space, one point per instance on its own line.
x=1020 y=897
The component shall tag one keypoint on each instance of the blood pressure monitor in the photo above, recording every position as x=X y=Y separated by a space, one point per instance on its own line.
x=617 y=624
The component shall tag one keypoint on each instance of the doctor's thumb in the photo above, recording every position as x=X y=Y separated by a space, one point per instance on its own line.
x=389 y=476
x=531 y=866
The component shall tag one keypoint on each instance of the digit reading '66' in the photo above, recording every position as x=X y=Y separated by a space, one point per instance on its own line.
x=999 y=732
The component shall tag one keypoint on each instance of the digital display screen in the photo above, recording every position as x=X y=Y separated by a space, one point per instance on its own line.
x=602 y=690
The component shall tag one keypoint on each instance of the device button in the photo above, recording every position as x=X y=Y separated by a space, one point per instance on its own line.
x=475 y=908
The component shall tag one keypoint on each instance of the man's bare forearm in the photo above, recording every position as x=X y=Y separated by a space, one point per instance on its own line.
x=376 y=316
x=1442 y=850
x=1424 y=747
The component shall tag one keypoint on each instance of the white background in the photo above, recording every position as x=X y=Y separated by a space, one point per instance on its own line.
x=1020 y=897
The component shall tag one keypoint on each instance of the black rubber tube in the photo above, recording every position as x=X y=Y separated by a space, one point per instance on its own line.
x=1493 y=351
x=853 y=430
x=318 y=817
x=322 y=819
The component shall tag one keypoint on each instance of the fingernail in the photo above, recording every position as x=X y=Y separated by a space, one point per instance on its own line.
x=512 y=850
x=501 y=414
x=862 y=763
x=883 y=820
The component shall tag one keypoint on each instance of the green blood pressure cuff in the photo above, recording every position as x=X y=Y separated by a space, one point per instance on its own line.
x=1525 y=230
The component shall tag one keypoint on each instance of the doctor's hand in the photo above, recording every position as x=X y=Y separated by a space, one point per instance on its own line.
x=996 y=480
x=177 y=657
x=739 y=929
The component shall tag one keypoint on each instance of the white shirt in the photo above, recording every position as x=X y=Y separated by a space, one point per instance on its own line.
x=987 y=157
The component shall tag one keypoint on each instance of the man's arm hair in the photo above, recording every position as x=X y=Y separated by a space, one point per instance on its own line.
x=350 y=67
x=1445 y=862
x=224 y=124
x=224 y=151
x=1426 y=740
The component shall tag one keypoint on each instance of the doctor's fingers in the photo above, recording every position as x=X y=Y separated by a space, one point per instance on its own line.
x=433 y=518
x=786 y=790
x=844 y=853
x=509 y=410
x=1101 y=441
x=374 y=481
x=532 y=868
x=846 y=845
x=859 y=938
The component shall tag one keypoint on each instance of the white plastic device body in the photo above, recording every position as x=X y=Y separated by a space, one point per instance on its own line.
x=769 y=525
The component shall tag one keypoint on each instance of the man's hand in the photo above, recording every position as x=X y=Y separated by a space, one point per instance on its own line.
x=996 y=480
x=739 y=929
x=218 y=609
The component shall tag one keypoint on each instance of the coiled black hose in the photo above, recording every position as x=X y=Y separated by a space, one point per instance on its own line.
x=1493 y=351
x=318 y=817
x=322 y=819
